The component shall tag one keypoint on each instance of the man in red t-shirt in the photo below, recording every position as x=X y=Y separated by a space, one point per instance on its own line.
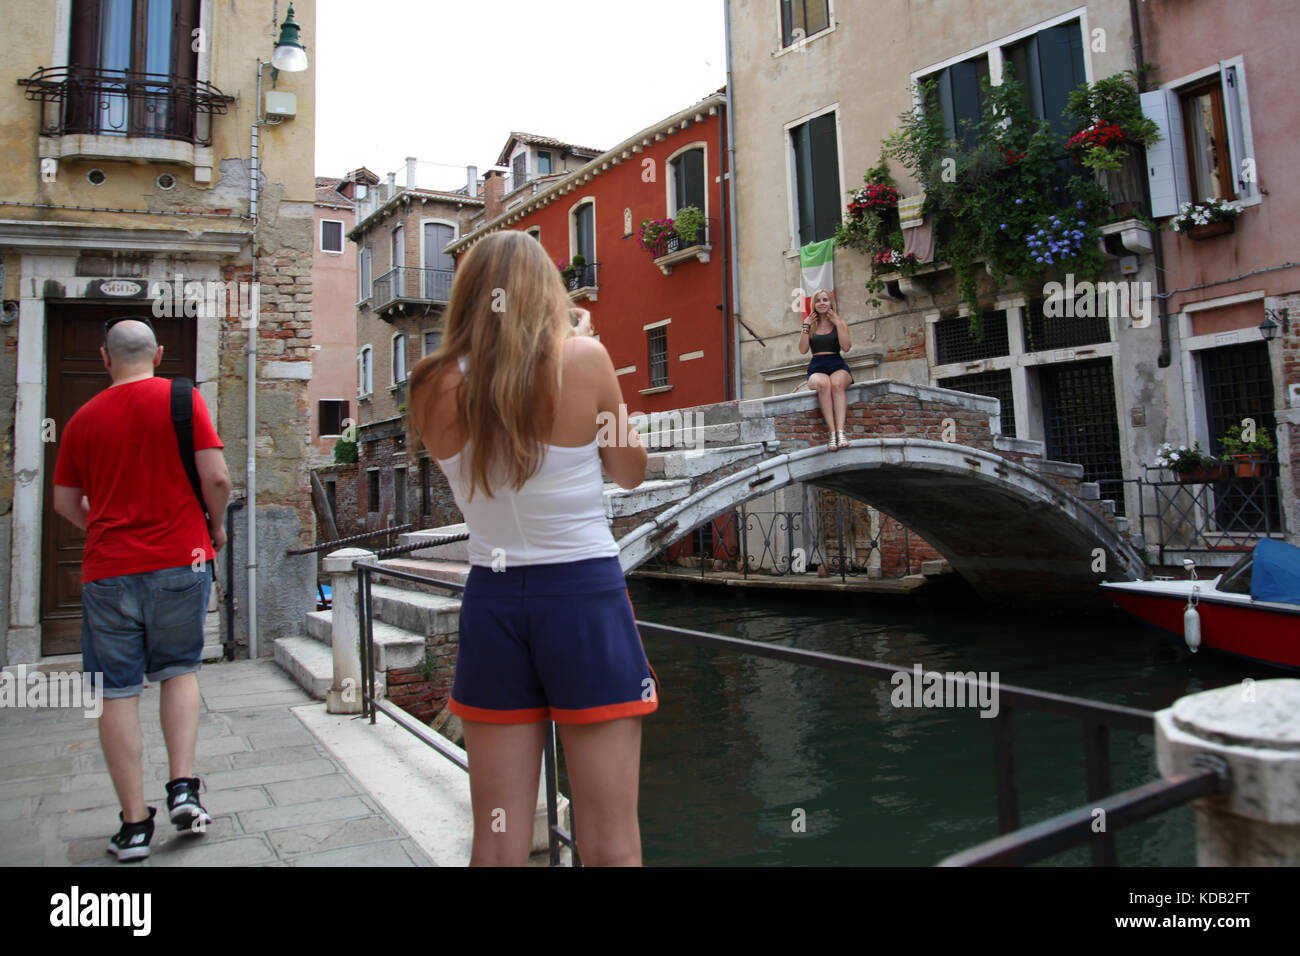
x=145 y=578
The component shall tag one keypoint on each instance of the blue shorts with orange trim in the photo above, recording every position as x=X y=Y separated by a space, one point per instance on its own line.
x=555 y=641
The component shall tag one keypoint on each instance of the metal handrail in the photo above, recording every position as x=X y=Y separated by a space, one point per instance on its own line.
x=325 y=546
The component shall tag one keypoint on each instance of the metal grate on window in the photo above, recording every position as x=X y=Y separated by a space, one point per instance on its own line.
x=658 y=356
x=992 y=384
x=1043 y=333
x=954 y=343
x=1080 y=422
x=1239 y=385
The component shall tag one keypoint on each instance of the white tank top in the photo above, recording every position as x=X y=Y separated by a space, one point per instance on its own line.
x=557 y=516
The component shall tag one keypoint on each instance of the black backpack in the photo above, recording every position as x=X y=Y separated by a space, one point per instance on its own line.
x=183 y=422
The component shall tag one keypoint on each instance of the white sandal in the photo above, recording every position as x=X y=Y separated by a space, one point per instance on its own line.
x=844 y=439
x=833 y=444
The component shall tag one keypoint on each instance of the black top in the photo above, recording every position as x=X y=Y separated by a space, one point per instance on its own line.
x=825 y=342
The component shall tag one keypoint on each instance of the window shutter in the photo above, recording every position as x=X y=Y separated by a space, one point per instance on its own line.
x=803 y=181
x=1167 y=157
x=692 y=178
x=83 y=46
x=185 y=20
x=826 y=177
x=1236 y=133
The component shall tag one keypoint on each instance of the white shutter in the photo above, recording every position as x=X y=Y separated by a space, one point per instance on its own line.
x=1236 y=135
x=1160 y=158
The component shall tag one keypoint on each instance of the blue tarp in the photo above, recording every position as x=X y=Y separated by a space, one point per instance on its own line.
x=1275 y=575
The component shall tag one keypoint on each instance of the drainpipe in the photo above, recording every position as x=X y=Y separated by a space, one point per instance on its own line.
x=731 y=182
x=1157 y=244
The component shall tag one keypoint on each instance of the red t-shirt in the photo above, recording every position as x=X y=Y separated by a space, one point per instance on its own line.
x=120 y=447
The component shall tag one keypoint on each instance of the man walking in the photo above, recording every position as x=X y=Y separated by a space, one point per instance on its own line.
x=145 y=577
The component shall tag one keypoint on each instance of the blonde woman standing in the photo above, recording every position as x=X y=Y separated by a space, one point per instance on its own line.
x=826 y=335
x=509 y=407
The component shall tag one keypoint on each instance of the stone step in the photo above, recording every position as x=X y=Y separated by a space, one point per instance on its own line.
x=430 y=615
x=434 y=569
x=308 y=662
x=691 y=464
x=457 y=551
x=393 y=643
x=649 y=494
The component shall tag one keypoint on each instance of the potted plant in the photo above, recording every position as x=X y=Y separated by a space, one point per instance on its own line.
x=653 y=235
x=1113 y=121
x=1249 y=448
x=577 y=272
x=688 y=224
x=1189 y=465
x=1205 y=219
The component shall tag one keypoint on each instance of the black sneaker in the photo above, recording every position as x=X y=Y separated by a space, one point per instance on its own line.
x=132 y=841
x=184 y=807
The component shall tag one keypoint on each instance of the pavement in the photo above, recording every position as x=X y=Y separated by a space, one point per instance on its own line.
x=285 y=783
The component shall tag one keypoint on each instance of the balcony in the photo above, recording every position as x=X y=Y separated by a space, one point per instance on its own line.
x=672 y=249
x=118 y=114
x=397 y=288
x=581 y=282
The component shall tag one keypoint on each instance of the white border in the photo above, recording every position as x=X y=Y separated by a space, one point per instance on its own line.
x=670 y=178
x=343 y=237
x=791 y=184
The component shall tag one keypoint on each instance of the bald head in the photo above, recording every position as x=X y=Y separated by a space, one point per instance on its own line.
x=131 y=343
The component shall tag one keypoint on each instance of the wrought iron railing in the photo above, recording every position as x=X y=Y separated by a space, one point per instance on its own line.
x=1014 y=845
x=670 y=242
x=582 y=277
x=1210 y=513
x=80 y=100
x=409 y=284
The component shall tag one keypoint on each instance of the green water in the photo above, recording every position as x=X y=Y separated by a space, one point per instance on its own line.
x=739 y=744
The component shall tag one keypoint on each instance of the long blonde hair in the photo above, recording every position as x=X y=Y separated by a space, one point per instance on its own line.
x=813 y=315
x=509 y=313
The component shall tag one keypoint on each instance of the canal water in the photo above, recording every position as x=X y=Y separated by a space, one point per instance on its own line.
x=744 y=748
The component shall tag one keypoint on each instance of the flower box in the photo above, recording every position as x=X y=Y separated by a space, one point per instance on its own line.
x=1210 y=229
x=1250 y=465
x=1202 y=475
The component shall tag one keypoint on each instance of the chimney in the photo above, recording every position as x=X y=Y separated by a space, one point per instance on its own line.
x=471 y=180
x=410 y=172
x=494 y=187
x=392 y=186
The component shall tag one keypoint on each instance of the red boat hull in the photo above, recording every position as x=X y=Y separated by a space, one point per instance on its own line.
x=1259 y=634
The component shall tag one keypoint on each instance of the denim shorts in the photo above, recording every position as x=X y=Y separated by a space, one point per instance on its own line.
x=146 y=624
x=826 y=364
x=555 y=641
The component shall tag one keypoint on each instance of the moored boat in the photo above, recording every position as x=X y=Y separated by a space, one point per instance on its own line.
x=1252 y=610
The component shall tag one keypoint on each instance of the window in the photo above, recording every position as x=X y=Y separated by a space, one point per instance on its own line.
x=543 y=162
x=519 y=170
x=803 y=18
x=111 y=38
x=953 y=342
x=372 y=490
x=363 y=273
x=584 y=231
x=658 y=341
x=536 y=233
x=363 y=372
x=1238 y=384
x=958 y=96
x=439 y=265
x=399 y=495
x=399 y=247
x=431 y=342
x=1049 y=65
x=993 y=385
x=687 y=175
x=399 y=358
x=1205 y=126
x=331 y=414
x=331 y=235
x=1080 y=423
x=817 y=193
x=1205 y=145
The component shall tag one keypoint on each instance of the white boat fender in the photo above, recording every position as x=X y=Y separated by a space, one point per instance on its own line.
x=1192 y=623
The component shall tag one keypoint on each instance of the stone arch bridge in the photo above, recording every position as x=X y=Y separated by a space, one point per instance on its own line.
x=1013 y=524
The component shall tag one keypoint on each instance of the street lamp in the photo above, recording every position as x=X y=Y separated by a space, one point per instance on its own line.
x=1268 y=328
x=289 y=55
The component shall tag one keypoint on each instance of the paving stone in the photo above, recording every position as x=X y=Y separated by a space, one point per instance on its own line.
x=17 y=808
x=281 y=738
x=28 y=754
x=290 y=696
x=233 y=801
x=239 y=851
x=207 y=747
x=306 y=791
x=83 y=799
x=415 y=853
x=251 y=776
x=319 y=837
x=322 y=811
x=55 y=766
x=390 y=853
x=260 y=758
x=36 y=786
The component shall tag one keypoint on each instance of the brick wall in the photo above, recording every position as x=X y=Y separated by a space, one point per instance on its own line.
x=423 y=691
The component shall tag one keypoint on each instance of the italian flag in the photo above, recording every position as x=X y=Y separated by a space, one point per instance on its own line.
x=816 y=270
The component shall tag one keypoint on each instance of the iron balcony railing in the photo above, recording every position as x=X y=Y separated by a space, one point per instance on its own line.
x=407 y=284
x=583 y=277
x=1013 y=846
x=670 y=242
x=1212 y=512
x=80 y=100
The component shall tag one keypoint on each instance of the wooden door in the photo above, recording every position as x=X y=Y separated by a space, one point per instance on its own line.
x=75 y=374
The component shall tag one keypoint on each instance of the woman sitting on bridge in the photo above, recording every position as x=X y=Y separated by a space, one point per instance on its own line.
x=828 y=373
x=509 y=406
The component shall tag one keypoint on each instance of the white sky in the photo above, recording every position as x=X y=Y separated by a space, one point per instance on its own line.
x=447 y=80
